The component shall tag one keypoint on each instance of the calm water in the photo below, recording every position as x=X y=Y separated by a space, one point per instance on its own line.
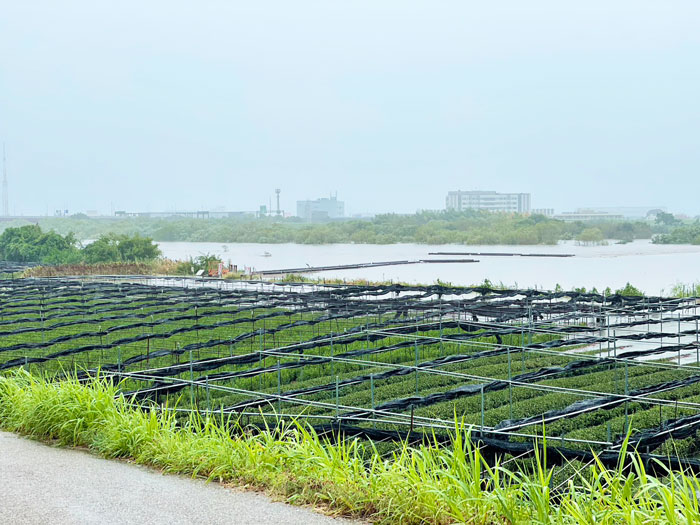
x=653 y=268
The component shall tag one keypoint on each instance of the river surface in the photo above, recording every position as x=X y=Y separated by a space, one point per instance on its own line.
x=652 y=268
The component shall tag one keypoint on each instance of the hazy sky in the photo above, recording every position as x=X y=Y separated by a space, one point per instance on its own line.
x=167 y=105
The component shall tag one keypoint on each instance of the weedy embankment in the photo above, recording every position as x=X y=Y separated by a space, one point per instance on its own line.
x=427 y=484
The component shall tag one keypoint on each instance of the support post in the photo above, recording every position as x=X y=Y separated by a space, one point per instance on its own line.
x=679 y=338
x=482 y=409
x=416 y=361
x=371 y=387
x=442 y=344
x=191 y=381
x=661 y=324
x=510 y=388
x=627 y=392
x=260 y=359
x=279 y=387
x=337 y=398
x=206 y=388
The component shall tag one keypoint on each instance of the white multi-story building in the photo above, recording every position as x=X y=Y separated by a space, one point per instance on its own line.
x=488 y=200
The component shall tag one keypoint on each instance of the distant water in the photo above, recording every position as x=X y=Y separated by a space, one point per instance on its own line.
x=651 y=267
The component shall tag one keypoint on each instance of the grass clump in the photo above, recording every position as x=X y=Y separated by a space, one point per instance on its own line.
x=426 y=484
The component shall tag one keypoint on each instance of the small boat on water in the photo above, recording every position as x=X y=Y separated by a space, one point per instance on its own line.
x=266 y=254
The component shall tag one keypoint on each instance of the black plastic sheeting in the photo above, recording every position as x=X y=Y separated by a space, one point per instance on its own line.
x=342 y=338
x=321 y=340
x=589 y=405
x=329 y=292
x=413 y=401
x=680 y=428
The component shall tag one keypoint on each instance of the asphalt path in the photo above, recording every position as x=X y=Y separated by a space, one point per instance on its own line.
x=42 y=484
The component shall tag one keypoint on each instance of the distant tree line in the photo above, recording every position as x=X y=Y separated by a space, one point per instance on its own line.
x=427 y=227
x=442 y=227
x=31 y=244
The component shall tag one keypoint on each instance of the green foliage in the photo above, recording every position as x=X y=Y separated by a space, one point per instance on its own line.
x=629 y=290
x=666 y=219
x=31 y=244
x=120 y=248
x=424 y=484
x=686 y=234
x=686 y=290
x=201 y=262
x=427 y=227
x=590 y=236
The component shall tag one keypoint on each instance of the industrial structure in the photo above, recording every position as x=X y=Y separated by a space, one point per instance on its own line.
x=488 y=200
x=321 y=209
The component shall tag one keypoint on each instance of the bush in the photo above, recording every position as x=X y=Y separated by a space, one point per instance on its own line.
x=120 y=248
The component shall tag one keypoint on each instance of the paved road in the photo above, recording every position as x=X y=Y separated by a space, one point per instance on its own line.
x=43 y=484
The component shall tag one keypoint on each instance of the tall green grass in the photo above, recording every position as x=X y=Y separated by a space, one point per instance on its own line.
x=426 y=484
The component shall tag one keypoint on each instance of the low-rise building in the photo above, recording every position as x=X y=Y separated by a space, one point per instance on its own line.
x=488 y=200
x=547 y=212
x=629 y=212
x=585 y=215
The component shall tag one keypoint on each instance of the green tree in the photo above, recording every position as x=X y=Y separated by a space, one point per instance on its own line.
x=630 y=290
x=666 y=219
x=120 y=248
x=590 y=236
x=31 y=244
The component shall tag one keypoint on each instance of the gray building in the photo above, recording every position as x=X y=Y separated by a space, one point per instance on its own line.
x=488 y=200
x=321 y=209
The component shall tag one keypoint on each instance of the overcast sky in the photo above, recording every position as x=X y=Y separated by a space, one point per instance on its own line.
x=162 y=105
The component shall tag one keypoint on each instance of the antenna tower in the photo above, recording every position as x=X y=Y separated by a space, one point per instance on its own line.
x=5 y=202
x=278 y=191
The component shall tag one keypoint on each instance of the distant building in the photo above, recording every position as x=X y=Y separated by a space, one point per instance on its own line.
x=320 y=209
x=201 y=214
x=547 y=212
x=586 y=215
x=628 y=212
x=488 y=200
